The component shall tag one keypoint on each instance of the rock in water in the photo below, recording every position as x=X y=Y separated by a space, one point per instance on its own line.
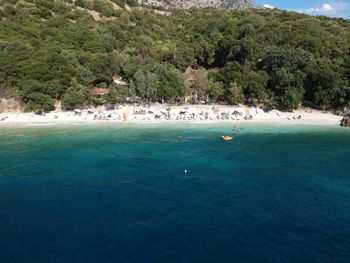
x=227 y=4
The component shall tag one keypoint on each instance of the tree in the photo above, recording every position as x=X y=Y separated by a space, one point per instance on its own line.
x=235 y=94
x=146 y=85
x=101 y=65
x=200 y=83
x=80 y=3
x=256 y=86
x=326 y=87
x=132 y=2
x=12 y=55
x=38 y=101
x=32 y=93
x=73 y=97
x=151 y=86
x=122 y=93
x=216 y=90
x=170 y=84
x=291 y=99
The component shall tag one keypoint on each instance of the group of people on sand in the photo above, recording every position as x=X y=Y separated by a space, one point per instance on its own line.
x=183 y=114
x=174 y=115
x=188 y=115
x=294 y=118
x=110 y=116
x=159 y=113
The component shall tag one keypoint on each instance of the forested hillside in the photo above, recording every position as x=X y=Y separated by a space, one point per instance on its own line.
x=56 y=50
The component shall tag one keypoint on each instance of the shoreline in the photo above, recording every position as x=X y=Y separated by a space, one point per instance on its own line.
x=161 y=114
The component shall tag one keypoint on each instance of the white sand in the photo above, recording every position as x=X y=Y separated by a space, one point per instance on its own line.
x=160 y=114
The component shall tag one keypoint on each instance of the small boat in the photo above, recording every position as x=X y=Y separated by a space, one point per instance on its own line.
x=227 y=138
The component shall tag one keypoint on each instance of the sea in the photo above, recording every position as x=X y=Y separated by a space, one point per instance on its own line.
x=174 y=193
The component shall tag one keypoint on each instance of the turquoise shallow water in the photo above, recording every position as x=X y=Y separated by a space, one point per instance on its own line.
x=120 y=194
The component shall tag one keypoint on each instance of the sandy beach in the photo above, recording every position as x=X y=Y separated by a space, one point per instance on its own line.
x=173 y=114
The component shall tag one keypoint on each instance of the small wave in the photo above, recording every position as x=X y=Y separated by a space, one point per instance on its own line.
x=40 y=124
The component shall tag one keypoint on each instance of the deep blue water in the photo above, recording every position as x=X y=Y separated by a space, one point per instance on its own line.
x=120 y=194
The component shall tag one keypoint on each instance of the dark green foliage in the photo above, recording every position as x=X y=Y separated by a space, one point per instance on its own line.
x=73 y=97
x=132 y=2
x=235 y=94
x=50 y=50
x=170 y=82
x=80 y=3
x=145 y=85
x=326 y=86
x=38 y=101
x=119 y=2
x=216 y=90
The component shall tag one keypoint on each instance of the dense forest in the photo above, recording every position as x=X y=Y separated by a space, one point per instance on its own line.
x=56 y=50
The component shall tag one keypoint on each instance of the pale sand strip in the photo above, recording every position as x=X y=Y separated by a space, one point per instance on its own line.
x=173 y=114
